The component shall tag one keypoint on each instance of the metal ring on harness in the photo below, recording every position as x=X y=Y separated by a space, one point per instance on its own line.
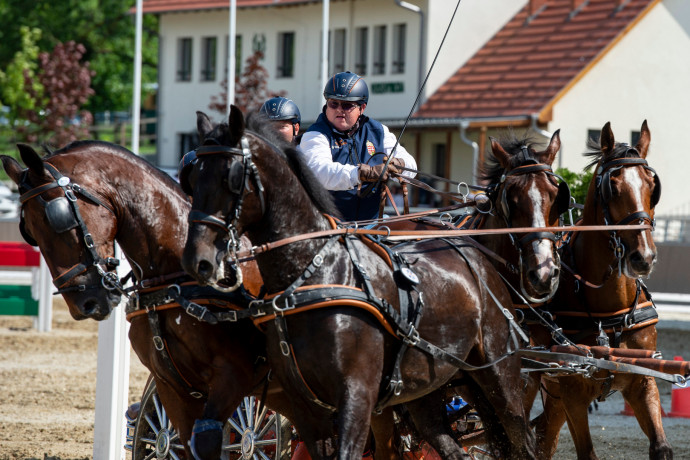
x=467 y=189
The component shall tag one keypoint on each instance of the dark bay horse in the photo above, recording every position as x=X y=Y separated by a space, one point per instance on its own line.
x=335 y=361
x=602 y=299
x=120 y=197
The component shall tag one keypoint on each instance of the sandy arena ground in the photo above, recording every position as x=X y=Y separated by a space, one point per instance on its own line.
x=48 y=387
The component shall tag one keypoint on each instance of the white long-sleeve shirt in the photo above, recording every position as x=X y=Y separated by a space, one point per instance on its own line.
x=336 y=176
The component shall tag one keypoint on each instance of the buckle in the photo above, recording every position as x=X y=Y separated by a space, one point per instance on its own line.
x=158 y=343
x=279 y=309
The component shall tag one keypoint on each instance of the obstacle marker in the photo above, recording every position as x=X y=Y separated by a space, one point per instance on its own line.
x=680 y=399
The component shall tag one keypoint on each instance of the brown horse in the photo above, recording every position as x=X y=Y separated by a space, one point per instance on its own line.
x=117 y=196
x=602 y=300
x=336 y=360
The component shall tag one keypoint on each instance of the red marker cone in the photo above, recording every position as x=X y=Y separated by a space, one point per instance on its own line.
x=680 y=399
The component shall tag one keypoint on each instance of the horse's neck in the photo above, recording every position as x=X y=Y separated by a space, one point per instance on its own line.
x=595 y=261
x=153 y=231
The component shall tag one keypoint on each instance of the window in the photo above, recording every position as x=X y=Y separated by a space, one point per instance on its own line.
x=208 y=53
x=188 y=142
x=361 y=50
x=286 y=54
x=184 y=59
x=379 y=50
x=634 y=137
x=399 y=35
x=238 y=53
x=594 y=134
x=339 y=42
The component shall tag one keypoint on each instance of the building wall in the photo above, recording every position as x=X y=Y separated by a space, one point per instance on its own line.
x=645 y=76
x=475 y=23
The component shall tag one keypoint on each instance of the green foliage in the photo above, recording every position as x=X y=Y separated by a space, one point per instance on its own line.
x=578 y=183
x=21 y=68
x=104 y=27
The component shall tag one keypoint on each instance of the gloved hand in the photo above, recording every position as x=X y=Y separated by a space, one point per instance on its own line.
x=371 y=173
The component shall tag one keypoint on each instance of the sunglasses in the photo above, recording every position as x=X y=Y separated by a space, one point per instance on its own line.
x=346 y=106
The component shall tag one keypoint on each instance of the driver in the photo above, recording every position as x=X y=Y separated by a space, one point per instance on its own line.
x=284 y=114
x=345 y=148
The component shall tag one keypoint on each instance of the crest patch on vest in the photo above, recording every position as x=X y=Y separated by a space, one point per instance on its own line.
x=370 y=148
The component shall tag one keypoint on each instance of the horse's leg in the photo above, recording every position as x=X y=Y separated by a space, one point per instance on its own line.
x=354 y=414
x=498 y=397
x=182 y=409
x=383 y=427
x=547 y=425
x=428 y=415
x=577 y=393
x=643 y=396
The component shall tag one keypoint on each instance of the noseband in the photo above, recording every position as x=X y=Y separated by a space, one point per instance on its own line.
x=529 y=168
x=239 y=176
x=63 y=215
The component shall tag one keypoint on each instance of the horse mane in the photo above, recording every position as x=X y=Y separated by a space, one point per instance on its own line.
x=620 y=150
x=491 y=170
x=261 y=127
x=116 y=150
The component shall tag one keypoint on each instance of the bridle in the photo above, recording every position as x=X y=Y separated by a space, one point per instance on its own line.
x=498 y=193
x=239 y=175
x=604 y=194
x=63 y=215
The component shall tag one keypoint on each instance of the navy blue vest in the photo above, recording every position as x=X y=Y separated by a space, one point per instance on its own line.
x=354 y=150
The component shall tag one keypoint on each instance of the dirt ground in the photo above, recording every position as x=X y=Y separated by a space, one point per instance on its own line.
x=48 y=387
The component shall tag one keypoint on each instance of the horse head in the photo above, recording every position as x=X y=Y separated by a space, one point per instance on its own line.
x=526 y=193
x=71 y=227
x=223 y=164
x=625 y=190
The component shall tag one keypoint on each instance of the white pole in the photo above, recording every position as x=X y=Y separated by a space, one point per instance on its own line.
x=232 y=25
x=45 y=297
x=136 y=102
x=324 y=47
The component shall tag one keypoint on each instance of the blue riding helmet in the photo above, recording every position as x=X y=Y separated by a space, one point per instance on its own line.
x=347 y=86
x=281 y=108
x=186 y=164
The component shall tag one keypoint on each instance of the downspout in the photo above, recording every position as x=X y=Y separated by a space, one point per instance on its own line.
x=422 y=40
x=464 y=124
x=537 y=129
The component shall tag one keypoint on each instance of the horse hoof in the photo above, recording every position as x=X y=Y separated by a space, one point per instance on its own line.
x=207 y=439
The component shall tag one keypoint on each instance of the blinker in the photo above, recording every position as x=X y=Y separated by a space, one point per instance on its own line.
x=59 y=214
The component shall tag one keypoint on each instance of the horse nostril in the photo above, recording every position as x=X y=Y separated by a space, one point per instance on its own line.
x=205 y=269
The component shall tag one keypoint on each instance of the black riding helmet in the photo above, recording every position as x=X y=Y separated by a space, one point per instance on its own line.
x=347 y=86
x=281 y=108
x=186 y=164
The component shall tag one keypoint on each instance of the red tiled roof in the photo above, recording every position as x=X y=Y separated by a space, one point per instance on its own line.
x=169 y=6
x=525 y=67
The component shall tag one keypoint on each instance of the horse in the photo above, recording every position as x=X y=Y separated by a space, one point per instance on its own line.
x=602 y=299
x=334 y=360
x=76 y=203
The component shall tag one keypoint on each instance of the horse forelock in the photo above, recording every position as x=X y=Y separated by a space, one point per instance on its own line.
x=521 y=150
x=620 y=150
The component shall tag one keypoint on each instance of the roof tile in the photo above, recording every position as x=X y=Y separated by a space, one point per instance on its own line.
x=524 y=66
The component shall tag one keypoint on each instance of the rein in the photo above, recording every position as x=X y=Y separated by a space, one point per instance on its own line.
x=63 y=218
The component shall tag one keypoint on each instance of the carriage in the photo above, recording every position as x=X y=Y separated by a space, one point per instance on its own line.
x=205 y=360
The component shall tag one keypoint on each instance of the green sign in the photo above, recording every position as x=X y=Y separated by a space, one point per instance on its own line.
x=391 y=87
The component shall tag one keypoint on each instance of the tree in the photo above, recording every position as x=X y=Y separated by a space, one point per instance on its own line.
x=579 y=185
x=13 y=93
x=251 y=89
x=65 y=87
x=104 y=27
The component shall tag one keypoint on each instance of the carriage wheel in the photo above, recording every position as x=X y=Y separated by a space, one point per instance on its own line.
x=250 y=435
x=154 y=436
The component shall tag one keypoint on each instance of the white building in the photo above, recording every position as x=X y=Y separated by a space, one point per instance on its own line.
x=537 y=65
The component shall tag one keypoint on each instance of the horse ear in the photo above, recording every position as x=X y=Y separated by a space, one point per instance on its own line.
x=236 y=123
x=645 y=137
x=203 y=125
x=499 y=152
x=606 y=140
x=31 y=158
x=548 y=155
x=12 y=168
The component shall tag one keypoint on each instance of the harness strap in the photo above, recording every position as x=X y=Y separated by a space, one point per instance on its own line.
x=162 y=346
